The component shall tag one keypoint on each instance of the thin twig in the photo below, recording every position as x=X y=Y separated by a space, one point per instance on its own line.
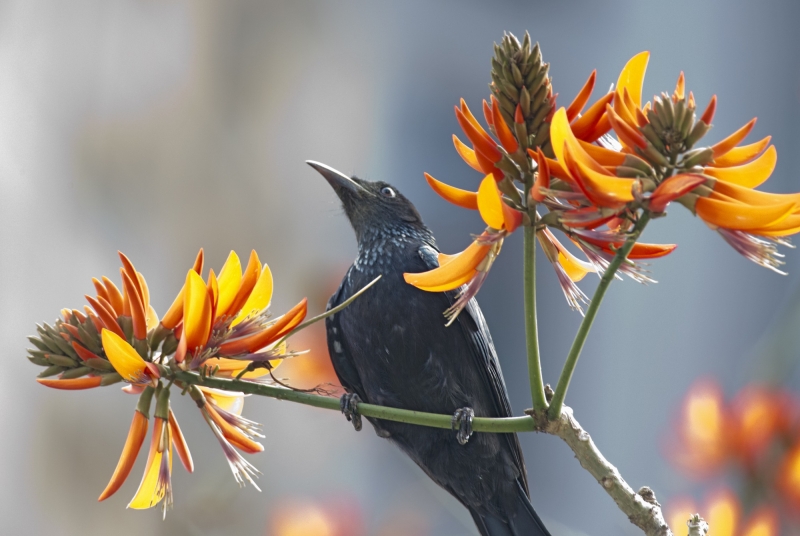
x=641 y=507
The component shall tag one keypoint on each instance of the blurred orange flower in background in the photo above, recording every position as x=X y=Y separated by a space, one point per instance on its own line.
x=754 y=437
x=308 y=517
x=723 y=512
x=711 y=432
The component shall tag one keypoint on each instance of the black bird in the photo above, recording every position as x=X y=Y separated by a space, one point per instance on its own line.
x=391 y=347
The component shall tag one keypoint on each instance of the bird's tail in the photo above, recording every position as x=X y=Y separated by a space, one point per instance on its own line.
x=521 y=520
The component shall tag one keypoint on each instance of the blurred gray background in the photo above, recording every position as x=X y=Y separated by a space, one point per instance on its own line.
x=157 y=127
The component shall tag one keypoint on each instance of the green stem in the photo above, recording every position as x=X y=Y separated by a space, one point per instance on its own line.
x=479 y=424
x=531 y=329
x=591 y=312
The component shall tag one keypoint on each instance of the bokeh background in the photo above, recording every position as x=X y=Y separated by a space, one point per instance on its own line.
x=160 y=126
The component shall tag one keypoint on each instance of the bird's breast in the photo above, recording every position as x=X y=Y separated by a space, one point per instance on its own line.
x=397 y=340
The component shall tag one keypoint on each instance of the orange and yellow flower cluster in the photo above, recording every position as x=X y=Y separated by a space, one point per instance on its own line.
x=219 y=326
x=596 y=187
x=758 y=434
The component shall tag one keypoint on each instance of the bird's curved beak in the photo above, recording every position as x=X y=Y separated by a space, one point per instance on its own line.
x=338 y=180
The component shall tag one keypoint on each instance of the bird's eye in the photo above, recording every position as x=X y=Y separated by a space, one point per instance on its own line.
x=388 y=192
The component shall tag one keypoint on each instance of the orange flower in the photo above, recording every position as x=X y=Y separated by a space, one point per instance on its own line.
x=501 y=214
x=722 y=511
x=221 y=324
x=470 y=268
x=75 y=347
x=752 y=222
x=227 y=317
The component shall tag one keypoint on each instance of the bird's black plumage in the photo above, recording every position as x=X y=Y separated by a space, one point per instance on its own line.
x=391 y=347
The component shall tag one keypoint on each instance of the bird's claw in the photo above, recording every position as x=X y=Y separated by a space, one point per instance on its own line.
x=349 y=404
x=462 y=421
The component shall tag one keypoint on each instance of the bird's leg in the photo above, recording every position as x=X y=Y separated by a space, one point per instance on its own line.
x=462 y=421
x=349 y=404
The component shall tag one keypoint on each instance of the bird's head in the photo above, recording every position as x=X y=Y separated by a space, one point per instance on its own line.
x=371 y=206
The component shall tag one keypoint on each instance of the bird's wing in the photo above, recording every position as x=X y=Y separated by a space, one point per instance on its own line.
x=338 y=349
x=474 y=327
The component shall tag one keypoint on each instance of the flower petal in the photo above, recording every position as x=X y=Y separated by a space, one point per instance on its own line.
x=785 y=227
x=482 y=142
x=467 y=154
x=105 y=315
x=680 y=87
x=741 y=155
x=487 y=113
x=708 y=114
x=575 y=268
x=589 y=217
x=542 y=176
x=722 y=147
x=99 y=288
x=233 y=434
x=625 y=132
x=504 y=133
x=603 y=156
x=576 y=107
x=180 y=443
x=259 y=298
x=175 y=312
x=490 y=204
x=230 y=401
x=151 y=318
x=588 y=124
x=73 y=384
x=114 y=296
x=125 y=360
x=673 y=188
x=269 y=335
x=149 y=494
x=728 y=191
x=632 y=77
x=249 y=280
x=137 y=307
x=145 y=289
x=457 y=196
x=560 y=135
x=601 y=188
x=196 y=311
x=133 y=443
x=748 y=175
x=84 y=353
x=640 y=250
x=740 y=216
x=230 y=278
x=624 y=108
x=451 y=275
x=131 y=271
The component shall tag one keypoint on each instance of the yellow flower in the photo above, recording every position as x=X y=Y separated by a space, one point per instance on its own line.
x=226 y=316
